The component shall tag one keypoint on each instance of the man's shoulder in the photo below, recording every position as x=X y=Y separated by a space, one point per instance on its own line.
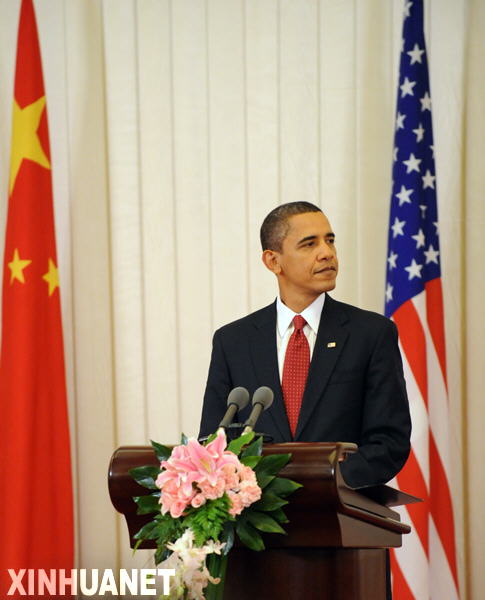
x=357 y=315
x=257 y=318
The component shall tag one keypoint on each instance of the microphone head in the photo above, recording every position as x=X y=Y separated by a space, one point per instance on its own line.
x=264 y=396
x=238 y=396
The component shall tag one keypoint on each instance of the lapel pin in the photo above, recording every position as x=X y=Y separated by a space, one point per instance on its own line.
x=331 y=344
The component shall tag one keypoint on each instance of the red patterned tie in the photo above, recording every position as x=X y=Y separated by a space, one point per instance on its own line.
x=295 y=371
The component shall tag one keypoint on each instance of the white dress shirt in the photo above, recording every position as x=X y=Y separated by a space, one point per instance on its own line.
x=284 y=326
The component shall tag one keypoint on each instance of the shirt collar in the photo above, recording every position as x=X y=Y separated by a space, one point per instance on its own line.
x=311 y=314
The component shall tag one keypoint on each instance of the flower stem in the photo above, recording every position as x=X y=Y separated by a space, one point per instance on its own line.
x=217 y=565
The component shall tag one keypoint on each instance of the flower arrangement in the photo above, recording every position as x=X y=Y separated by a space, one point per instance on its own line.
x=202 y=496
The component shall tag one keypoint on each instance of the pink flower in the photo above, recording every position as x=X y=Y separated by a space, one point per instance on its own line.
x=211 y=492
x=237 y=505
x=194 y=469
x=208 y=461
x=179 y=469
x=250 y=494
x=198 y=500
x=176 y=493
x=194 y=474
x=247 y=474
x=243 y=497
x=177 y=508
x=243 y=489
x=231 y=476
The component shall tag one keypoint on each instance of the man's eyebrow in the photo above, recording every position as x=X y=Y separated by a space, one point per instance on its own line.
x=308 y=238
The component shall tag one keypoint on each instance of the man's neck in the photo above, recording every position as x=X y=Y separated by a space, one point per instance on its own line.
x=299 y=303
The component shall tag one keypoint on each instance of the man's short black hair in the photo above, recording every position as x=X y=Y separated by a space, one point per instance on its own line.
x=275 y=226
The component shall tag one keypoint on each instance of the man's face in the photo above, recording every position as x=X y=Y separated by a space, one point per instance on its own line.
x=307 y=264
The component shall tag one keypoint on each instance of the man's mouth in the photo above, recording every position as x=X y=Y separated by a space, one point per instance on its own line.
x=325 y=269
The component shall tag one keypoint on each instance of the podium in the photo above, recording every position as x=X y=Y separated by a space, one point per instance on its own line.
x=337 y=536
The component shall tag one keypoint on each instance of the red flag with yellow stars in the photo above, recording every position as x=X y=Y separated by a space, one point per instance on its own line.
x=36 y=504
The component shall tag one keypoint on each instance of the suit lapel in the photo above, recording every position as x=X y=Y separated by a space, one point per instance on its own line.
x=329 y=344
x=265 y=361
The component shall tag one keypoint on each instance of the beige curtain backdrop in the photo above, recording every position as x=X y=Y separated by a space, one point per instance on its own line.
x=176 y=125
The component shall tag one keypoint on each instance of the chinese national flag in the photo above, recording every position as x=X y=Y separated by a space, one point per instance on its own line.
x=36 y=506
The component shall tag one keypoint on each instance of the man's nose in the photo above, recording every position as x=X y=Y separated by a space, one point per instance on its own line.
x=325 y=251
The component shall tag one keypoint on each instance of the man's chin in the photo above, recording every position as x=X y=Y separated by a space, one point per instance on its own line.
x=327 y=286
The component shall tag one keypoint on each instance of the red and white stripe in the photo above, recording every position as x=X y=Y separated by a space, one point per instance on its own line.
x=425 y=567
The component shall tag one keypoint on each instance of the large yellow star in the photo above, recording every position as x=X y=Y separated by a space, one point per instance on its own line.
x=25 y=141
x=52 y=277
x=17 y=266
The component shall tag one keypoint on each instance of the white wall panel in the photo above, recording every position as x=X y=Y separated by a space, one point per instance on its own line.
x=227 y=119
x=154 y=33
x=120 y=47
x=446 y=50
x=474 y=292
x=122 y=104
x=262 y=125
x=374 y=143
x=299 y=110
x=193 y=203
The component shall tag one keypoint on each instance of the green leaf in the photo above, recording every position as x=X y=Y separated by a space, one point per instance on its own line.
x=161 y=452
x=269 y=502
x=283 y=487
x=250 y=461
x=168 y=529
x=147 y=532
x=147 y=504
x=254 y=449
x=264 y=522
x=210 y=439
x=145 y=476
x=184 y=440
x=264 y=480
x=208 y=520
x=249 y=536
x=272 y=464
x=161 y=554
x=279 y=515
x=237 y=444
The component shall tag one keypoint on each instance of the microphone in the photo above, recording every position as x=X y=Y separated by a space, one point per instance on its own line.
x=262 y=399
x=237 y=400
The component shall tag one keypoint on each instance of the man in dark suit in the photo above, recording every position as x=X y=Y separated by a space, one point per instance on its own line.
x=355 y=389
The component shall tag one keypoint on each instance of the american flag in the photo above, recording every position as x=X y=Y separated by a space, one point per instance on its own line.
x=425 y=567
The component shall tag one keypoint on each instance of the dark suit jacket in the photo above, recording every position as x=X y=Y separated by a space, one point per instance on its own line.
x=355 y=390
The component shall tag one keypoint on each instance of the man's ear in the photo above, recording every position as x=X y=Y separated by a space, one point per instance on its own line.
x=271 y=260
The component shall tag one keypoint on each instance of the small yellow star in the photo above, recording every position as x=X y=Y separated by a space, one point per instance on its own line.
x=17 y=266
x=52 y=277
x=25 y=141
